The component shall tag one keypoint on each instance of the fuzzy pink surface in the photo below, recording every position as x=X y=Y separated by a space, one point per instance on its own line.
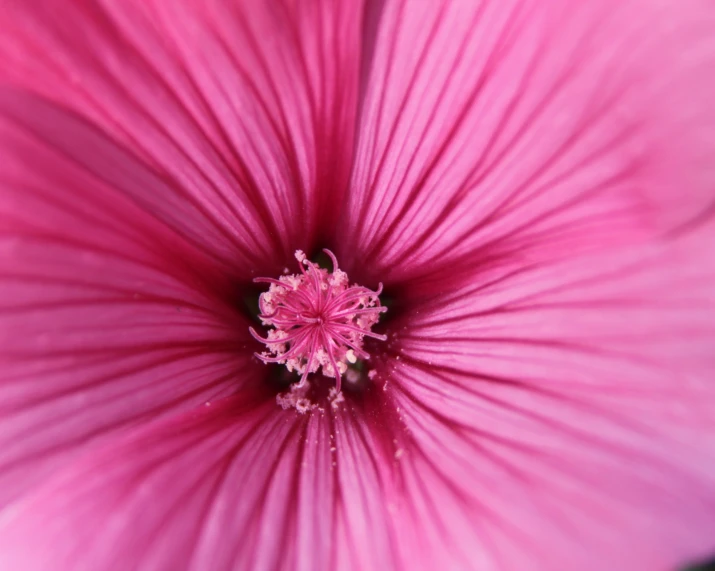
x=533 y=181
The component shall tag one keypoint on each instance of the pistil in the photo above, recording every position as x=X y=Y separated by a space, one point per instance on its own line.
x=318 y=320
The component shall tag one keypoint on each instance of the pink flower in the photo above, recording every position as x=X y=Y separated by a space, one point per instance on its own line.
x=531 y=180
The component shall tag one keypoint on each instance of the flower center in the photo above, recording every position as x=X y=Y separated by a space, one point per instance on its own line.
x=318 y=320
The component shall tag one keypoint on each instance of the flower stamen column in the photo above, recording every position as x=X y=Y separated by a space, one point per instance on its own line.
x=319 y=320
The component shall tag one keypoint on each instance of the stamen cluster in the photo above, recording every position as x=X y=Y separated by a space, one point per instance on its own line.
x=319 y=320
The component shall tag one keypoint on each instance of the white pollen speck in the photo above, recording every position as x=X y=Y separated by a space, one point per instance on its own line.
x=296 y=398
x=335 y=398
x=398 y=453
x=350 y=356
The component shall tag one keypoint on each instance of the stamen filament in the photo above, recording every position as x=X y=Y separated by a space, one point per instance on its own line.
x=319 y=320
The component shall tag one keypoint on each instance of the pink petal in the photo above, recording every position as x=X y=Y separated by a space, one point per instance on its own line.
x=107 y=317
x=236 y=485
x=238 y=106
x=563 y=416
x=539 y=128
x=557 y=400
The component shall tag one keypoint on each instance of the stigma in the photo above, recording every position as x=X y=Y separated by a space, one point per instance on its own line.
x=318 y=320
